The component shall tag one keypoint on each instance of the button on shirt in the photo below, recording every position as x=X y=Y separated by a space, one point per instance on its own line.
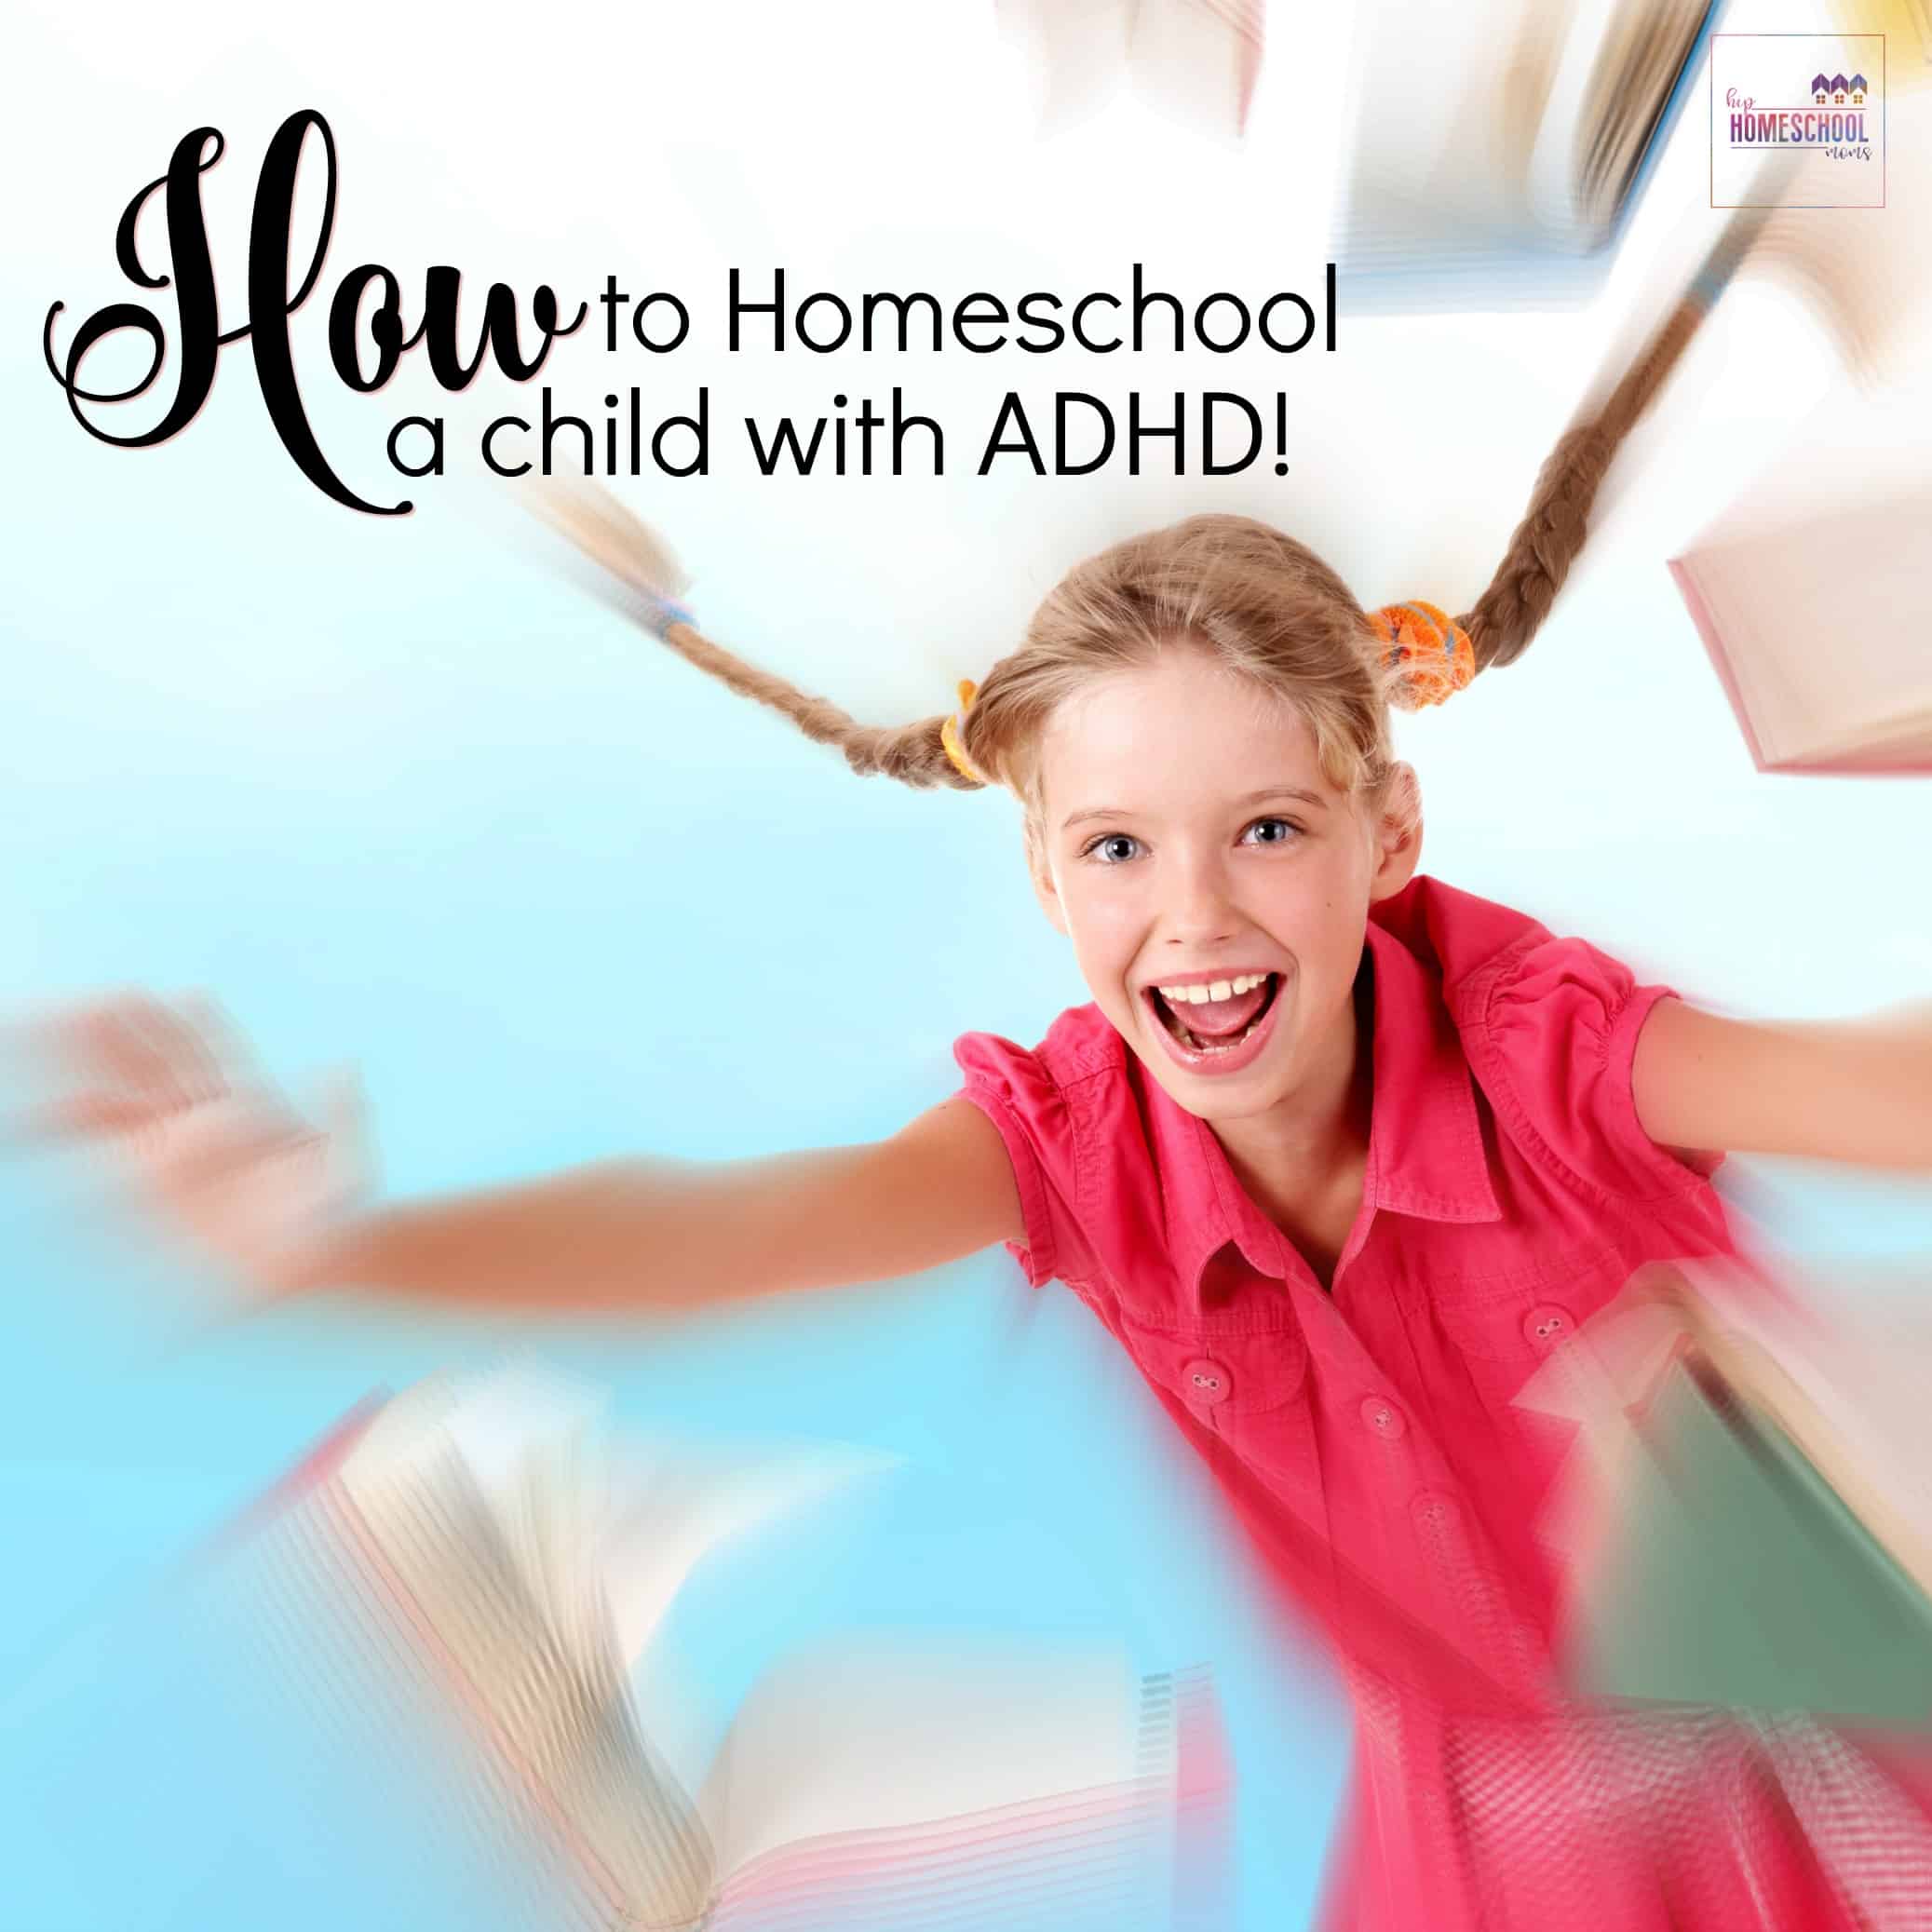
x=1366 y=1436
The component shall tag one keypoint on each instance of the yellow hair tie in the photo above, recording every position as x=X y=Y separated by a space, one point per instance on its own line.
x=1428 y=646
x=949 y=735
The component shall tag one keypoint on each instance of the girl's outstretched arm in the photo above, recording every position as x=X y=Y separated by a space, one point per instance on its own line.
x=1854 y=1090
x=655 y=1234
x=219 y=1157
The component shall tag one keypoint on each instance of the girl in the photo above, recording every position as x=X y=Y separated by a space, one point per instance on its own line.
x=1339 y=1153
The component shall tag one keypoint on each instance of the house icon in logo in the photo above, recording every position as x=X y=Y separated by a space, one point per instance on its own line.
x=1837 y=89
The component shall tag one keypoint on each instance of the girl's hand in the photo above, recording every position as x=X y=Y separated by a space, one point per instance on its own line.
x=211 y=1149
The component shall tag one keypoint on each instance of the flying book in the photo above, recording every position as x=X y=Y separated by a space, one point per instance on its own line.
x=1500 y=149
x=470 y=1561
x=1194 y=61
x=1809 y=628
x=1749 y=1515
x=1803 y=591
x=1907 y=27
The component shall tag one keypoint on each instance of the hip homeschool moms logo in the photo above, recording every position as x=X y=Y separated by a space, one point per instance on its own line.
x=1817 y=100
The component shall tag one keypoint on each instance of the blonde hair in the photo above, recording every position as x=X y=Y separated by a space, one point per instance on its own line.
x=1256 y=600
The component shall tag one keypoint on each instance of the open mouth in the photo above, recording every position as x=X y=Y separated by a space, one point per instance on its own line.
x=1208 y=1025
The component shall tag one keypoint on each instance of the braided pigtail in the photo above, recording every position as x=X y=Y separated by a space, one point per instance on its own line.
x=637 y=574
x=914 y=754
x=1551 y=534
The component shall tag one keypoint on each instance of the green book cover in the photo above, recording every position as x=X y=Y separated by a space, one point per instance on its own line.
x=1737 y=1576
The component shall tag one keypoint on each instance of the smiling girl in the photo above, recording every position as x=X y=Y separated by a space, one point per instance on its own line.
x=1337 y=1153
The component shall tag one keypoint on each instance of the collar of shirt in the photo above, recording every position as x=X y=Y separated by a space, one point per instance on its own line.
x=1425 y=1154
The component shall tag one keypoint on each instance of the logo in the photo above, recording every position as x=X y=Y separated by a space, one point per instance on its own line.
x=1815 y=99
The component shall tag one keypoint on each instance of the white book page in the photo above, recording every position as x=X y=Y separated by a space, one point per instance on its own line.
x=1552 y=175
x=673 y=1505
x=630 y=1514
x=1431 y=146
x=1813 y=576
x=1193 y=61
x=536 y=1444
x=1816 y=623
x=1606 y=110
x=889 y=1734
x=614 y=1524
x=478 y=1502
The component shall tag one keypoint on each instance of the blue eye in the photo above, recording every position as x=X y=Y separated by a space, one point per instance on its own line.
x=1108 y=848
x=1272 y=831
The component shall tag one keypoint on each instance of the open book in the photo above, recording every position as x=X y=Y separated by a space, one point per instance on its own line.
x=1500 y=146
x=489 y=1560
x=1749 y=1516
x=1803 y=591
x=1810 y=628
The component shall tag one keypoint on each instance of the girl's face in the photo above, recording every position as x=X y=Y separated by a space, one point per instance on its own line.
x=1215 y=886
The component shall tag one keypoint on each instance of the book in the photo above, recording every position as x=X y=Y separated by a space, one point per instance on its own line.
x=472 y=1561
x=1194 y=61
x=1499 y=150
x=1747 y=1519
x=1806 y=625
x=1803 y=592
x=1907 y=26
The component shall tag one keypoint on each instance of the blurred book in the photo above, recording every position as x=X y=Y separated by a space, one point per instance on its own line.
x=1500 y=148
x=1194 y=61
x=1749 y=1519
x=1811 y=632
x=1907 y=26
x=1805 y=591
x=487 y=1559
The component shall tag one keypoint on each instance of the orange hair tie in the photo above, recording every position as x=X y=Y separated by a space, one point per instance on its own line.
x=949 y=735
x=1428 y=647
